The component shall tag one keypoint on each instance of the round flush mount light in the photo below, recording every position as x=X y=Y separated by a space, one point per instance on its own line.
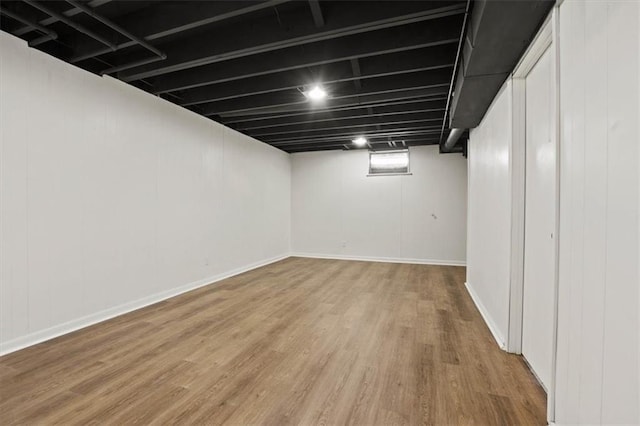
x=316 y=93
x=360 y=141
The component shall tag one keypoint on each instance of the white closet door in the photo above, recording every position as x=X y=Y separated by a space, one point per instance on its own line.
x=540 y=214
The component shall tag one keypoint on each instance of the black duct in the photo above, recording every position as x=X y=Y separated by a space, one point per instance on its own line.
x=498 y=34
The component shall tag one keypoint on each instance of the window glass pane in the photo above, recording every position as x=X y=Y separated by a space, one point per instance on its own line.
x=389 y=162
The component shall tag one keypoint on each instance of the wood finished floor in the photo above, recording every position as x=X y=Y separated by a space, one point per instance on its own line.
x=301 y=341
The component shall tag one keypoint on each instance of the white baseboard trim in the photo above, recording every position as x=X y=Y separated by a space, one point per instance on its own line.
x=77 y=324
x=382 y=259
x=487 y=318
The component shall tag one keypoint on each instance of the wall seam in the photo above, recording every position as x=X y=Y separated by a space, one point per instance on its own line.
x=606 y=217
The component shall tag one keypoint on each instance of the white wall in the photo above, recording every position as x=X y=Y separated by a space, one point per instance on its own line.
x=489 y=214
x=337 y=211
x=597 y=366
x=112 y=198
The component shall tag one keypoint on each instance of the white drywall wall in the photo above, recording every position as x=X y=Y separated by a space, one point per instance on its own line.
x=337 y=211
x=598 y=376
x=112 y=198
x=489 y=214
x=598 y=366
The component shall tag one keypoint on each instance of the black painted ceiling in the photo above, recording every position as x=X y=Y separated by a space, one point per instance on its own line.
x=386 y=65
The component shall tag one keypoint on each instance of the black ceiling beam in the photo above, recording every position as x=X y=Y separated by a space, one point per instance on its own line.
x=102 y=38
x=348 y=135
x=410 y=37
x=51 y=20
x=378 y=66
x=339 y=119
x=350 y=100
x=375 y=146
x=371 y=139
x=347 y=123
x=169 y=18
x=399 y=102
x=48 y=34
x=392 y=134
x=382 y=144
x=424 y=93
x=334 y=145
x=347 y=19
x=284 y=122
x=287 y=80
x=384 y=85
x=378 y=126
x=120 y=30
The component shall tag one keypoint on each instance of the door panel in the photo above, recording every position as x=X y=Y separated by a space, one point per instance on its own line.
x=540 y=214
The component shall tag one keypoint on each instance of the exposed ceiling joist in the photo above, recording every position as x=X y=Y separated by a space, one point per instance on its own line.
x=328 y=76
x=441 y=33
x=47 y=33
x=407 y=120
x=348 y=122
x=100 y=37
x=347 y=110
x=348 y=135
x=170 y=18
x=373 y=137
x=334 y=118
x=380 y=145
x=384 y=65
x=51 y=20
x=422 y=93
x=384 y=85
x=348 y=21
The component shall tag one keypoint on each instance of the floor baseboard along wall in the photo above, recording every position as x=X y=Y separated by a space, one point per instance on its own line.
x=71 y=326
x=68 y=327
x=487 y=318
x=382 y=259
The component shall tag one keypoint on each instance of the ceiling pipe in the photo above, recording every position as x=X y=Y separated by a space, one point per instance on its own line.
x=48 y=34
x=452 y=140
x=455 y=67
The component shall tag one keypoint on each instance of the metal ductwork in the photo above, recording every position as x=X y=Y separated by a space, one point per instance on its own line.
x=497 y=35
x=452 y=140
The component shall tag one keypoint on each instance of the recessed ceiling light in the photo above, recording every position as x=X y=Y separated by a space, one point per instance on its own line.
x=316 y=93
x=360 y=141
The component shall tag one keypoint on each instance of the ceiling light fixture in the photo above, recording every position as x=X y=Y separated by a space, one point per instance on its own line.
x=360 y=141
x=316 y=93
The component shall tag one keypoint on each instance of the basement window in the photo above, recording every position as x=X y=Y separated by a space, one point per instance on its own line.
x=386 y=163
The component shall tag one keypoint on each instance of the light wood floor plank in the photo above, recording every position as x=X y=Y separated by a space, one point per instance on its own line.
x=301 y=341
